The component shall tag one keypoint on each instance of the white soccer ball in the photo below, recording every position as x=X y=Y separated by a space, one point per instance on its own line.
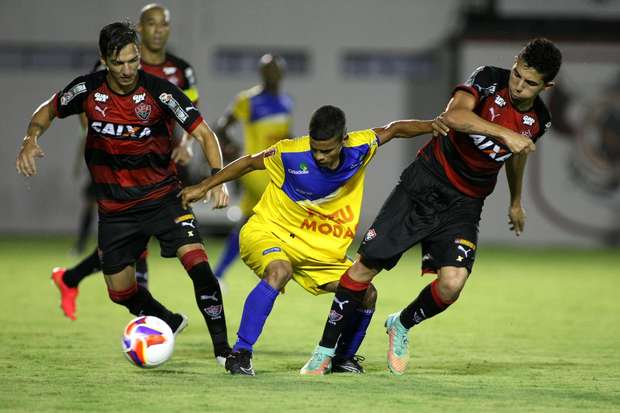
x=147 y=342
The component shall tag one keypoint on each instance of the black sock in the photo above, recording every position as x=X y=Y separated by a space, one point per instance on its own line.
x=86 y=222
x=346 y=301
x=426 y=305
x=209 y=301
x=143 y=303
x=142 y=273
x=89 y=265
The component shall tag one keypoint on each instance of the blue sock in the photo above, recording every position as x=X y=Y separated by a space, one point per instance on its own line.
x=231 y=251
x=257 y=307
x=354 y=333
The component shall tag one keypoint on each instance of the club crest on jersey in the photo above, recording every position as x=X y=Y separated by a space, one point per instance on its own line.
x=499 y=101
x=168 y=70
x=71 y=93
x=371 y=234
x=168 y=100
x=101 y=97
x=143 y=111
x=528 y=120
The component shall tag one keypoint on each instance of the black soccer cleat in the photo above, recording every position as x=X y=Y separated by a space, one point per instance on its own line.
x=177 y=323
x=351 y=365
x=240 y=362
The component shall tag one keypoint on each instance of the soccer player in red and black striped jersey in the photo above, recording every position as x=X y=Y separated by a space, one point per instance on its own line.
x=131 y=116
x=154 y=30
x=495 y=117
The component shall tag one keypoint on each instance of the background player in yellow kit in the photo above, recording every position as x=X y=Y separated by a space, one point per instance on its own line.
x=265 y=113
x=305 y=222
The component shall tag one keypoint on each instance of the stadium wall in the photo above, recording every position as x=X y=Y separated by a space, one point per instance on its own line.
x=326 y=31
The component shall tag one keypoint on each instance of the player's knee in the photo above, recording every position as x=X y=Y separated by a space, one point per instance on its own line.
x=451 y=282
x=370 y=299
x=361 y=273
x=278 y=275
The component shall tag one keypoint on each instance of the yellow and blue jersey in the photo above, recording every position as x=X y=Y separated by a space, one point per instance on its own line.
x=318 y=206
x=266 y=117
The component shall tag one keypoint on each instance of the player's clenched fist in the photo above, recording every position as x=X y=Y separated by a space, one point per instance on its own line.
x=520 y=144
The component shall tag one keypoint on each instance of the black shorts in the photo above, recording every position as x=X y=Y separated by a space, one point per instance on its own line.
x=424 y=209
x=124 y=236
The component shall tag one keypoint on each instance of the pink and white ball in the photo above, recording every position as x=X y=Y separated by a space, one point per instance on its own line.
x=147 y=342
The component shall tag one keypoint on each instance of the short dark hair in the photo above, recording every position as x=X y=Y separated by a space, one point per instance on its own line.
x=115 y=36
x=327 y=121
x=542 y=55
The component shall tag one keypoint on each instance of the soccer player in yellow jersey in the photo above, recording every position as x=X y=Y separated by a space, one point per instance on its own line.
x=265 y=113
x=305 y=221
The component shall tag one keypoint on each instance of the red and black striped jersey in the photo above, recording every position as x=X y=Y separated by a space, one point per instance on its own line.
x=175 y=70
x=129 y=139
x=471 y=163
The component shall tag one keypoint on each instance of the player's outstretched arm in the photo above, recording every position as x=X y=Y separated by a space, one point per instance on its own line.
x=515 y=167
x=403 y=129
x=30 y=149
x=459 y=115
x=232 y=171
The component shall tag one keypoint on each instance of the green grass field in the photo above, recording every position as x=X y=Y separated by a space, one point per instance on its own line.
x=535 y=330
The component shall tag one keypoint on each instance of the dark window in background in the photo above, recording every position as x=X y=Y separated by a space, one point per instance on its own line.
x=16 y=57
x=388 y=64
x=235 y=61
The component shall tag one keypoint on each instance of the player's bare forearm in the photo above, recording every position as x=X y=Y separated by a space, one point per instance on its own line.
x=30 y=149
x=42 y=119
x=466 y=121
x=209 y=144
x=232 y=171
x=515 y=169
x=408 y=128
